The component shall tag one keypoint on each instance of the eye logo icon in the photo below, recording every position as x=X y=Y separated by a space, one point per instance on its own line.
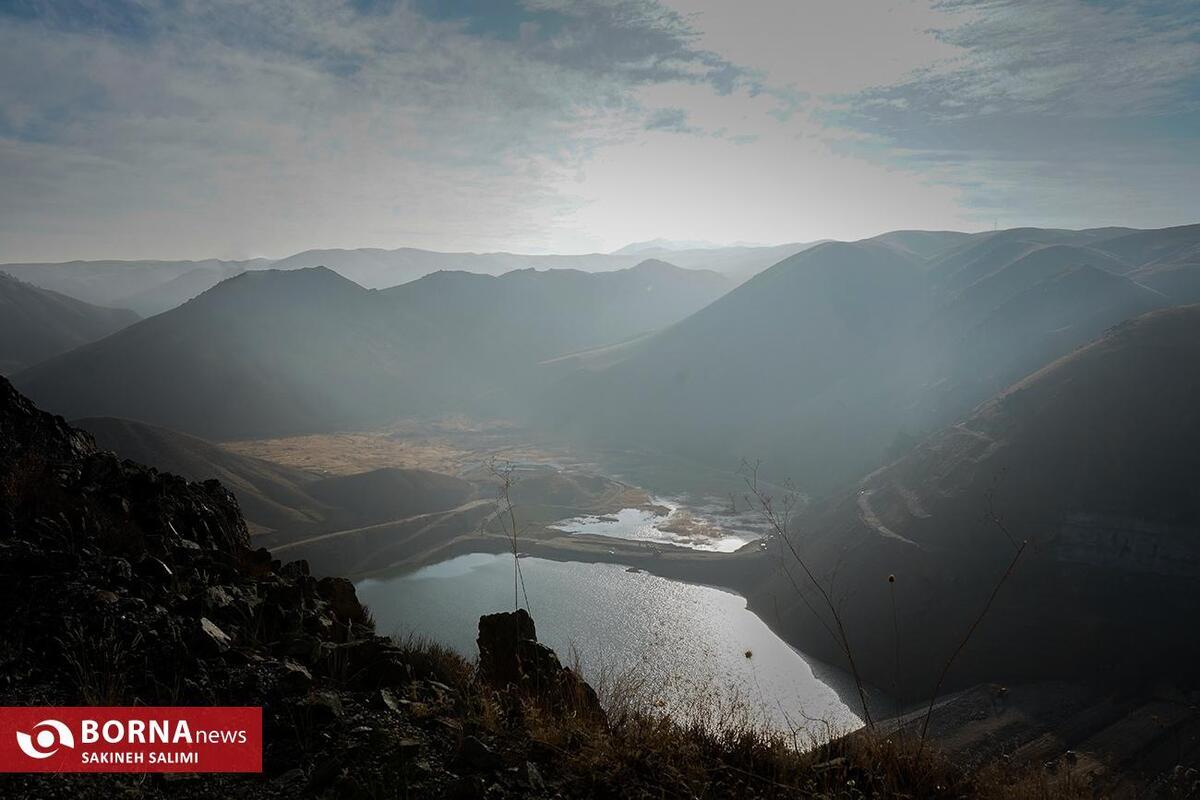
x=51 y=735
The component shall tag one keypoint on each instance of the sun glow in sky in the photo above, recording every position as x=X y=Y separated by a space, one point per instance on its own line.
x=144 y=129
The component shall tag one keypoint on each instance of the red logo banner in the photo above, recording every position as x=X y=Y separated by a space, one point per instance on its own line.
x=130 y=739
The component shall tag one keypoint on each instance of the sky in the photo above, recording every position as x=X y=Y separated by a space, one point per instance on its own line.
x=240 y=128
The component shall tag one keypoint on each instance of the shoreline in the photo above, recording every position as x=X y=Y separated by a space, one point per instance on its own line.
x=736 y=573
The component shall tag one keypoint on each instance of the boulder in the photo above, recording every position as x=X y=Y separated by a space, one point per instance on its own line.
x=478 y=756
x=293 y=677
x=510 y=656
x=210 y=639
x=342 y=599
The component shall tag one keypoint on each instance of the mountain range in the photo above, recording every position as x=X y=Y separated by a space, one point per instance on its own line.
x=1091 y=460
x=151 y=287
x=272 y=352
x=822 y=366
x=37 y=324
x=827 y=360
x=995 y=436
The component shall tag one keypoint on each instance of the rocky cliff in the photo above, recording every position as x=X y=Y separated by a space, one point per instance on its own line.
x=125 y=586
x=121 y=585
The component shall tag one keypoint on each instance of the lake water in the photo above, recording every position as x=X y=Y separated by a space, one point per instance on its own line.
x=681 y=642
x=700 y=524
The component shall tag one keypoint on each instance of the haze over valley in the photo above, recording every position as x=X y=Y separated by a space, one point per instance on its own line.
x=910 y=400
x=606 y=399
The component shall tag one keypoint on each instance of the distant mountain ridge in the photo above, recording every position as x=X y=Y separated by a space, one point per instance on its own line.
x=151 y=287
x=272 y=352
x=130 y=284
x=821 y=363
x=37 y=324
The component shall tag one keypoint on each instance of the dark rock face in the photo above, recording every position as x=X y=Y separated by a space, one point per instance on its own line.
x=511 y=656
x=121 y=585
x=54 y=481
x=500 y=639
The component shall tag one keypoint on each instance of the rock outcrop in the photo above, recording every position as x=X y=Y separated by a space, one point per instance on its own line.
x=122 y=585
x=510 y=656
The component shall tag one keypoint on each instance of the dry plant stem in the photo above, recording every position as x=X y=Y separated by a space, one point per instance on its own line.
x=1012 y=565
x=780 y=528
x=896 y=639
x=503 y=473
x=962 y=644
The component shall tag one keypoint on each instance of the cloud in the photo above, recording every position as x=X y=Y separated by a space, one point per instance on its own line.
x=1056 y=112
x=179 y=123
x=669 y=119
x=1071 y=57
x=148 y=128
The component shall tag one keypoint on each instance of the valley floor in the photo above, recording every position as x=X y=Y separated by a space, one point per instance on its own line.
x=1089 y=734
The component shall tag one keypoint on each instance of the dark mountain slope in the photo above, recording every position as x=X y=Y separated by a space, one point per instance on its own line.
x=988 y=254
x=164 y=296
x=123 y=586
x=262 y=353
x=545 y=314
x=1167 y=261
x=1093 y=460
x=272 y=352
x=1141 y=248
x=284 y=502
x=789 y=356
x=993 y=335
x=389 y=493
x=113 y=283
x=1180 y=282
x=924 y=244
x=37 y=324
x=379 y=269
x=1013 y=277
x=271 y=496
x=825 y=363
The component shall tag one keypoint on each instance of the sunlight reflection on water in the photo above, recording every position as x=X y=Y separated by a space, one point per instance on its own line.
x=681 y=641
x=696 y=526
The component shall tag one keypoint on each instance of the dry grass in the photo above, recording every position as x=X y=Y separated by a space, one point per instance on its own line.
x=443 y=446
x=352 y=453
x=97 y=659
x=430 y=660
x=715 y=751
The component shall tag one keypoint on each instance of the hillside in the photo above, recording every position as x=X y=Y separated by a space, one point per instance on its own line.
x=1000 y=329
x=271 y=496
x=824 y=363
x=1093 y=460
x=128 y=284
x=390 y=493
x=489 y=321
x=37 y=324
x=776 y=356
x=828 y=360
x=262 y=353
x=923 y=244
x=379 y=269
x=161 y=297
x=273 y=352
x=129 y=587
x=283 y=504
x=151 y=287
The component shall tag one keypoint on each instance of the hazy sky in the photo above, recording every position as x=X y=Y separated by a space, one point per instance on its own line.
x=232 y=128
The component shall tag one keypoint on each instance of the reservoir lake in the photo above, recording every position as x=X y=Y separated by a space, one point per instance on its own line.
x=692 y=651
